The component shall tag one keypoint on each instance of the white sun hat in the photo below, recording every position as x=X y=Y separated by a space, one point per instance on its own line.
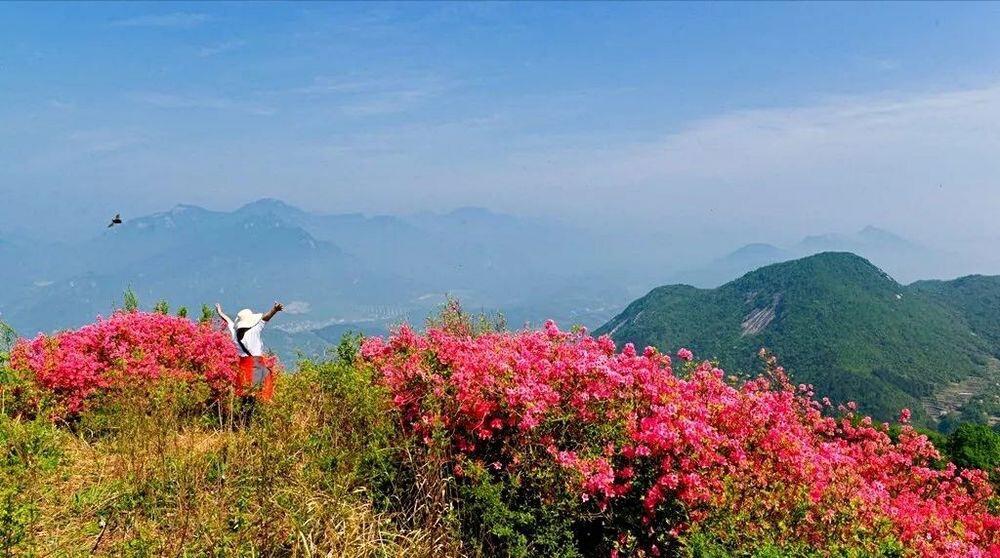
x=247 y=318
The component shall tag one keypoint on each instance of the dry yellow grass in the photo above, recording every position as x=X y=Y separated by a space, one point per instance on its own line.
x=151 y=478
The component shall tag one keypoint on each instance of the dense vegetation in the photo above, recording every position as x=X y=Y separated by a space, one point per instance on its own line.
x=846 y=327
x=468 y=441
x=975 y=297
x=165 y=469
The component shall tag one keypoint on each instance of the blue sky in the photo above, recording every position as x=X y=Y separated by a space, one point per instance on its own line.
x=758 y=121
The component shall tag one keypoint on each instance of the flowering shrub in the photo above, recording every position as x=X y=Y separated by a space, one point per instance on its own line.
x=125 y=349
x=659 y=456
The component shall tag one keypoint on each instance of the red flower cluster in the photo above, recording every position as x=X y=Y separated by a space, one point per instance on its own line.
x=760 y=455
x=127 y=347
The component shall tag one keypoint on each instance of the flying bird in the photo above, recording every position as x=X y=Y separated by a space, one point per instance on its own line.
x=116 y=221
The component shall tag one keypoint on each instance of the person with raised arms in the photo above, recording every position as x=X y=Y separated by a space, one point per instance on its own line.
x=255 y=378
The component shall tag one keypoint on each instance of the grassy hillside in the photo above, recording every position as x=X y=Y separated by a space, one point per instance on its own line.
x=835 y=320
x=461 y=441
x=155 y=472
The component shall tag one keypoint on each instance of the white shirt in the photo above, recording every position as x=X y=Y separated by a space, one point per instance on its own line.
x=251 y=339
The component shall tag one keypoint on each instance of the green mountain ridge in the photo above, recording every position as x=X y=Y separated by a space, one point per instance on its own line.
x=838 y=322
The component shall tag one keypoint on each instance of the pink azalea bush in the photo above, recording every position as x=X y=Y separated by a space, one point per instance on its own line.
x=661 y=454
x=127 y=348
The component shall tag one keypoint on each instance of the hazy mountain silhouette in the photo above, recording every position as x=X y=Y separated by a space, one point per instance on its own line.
x=352 y=271
x=901 y=258
x=340 y=270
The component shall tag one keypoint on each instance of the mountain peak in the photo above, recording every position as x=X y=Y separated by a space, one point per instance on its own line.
x=872 y=229
x=473 y=212
x=837 y=257
x=844 y=266
x=756 y=249
x=273 y=202
x=269 y=205
x=875 y=235
x=185 y=208
x=470 y=210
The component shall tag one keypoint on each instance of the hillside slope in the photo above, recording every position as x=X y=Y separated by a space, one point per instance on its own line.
x=834 y=319
x=975 y=297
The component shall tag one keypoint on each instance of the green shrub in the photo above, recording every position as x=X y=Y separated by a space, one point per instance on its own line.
x=130 y=302
x=207 y=314
x=503 y=515
x=7 y=338
x=19 y=396
x=976 y=446
x=701 y=545
x=29 y=450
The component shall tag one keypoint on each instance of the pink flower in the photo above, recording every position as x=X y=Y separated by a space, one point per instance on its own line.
x=613 y=425
x=126 y=348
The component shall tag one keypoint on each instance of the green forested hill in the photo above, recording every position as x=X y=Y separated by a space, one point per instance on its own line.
x=838 y=322
x=976 y=298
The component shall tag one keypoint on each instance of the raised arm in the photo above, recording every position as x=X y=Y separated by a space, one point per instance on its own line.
x=278 y=307
x=218 y=310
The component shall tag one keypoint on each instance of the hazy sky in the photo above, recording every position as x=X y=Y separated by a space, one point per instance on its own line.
x=758 y=122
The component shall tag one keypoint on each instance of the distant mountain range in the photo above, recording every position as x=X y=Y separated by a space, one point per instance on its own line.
x=902 y=258
x=352 y=272
x=333 y=272
x=840 y=323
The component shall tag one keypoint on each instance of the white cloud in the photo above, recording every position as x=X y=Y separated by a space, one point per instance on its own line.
x=177 y=20
x=61 y=105
x=175 y=101
x=220 y=48
x=388 y=102
x=903 y=160
x=298 y=307
x=369 y=96
x=89 y=147
x=326 y=85
x=103 y=140
x=878 y=63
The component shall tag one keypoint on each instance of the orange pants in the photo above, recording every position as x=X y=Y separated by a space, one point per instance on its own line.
x=245 y=378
